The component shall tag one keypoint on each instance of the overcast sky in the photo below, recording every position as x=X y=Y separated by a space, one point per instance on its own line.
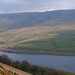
x=12 y=6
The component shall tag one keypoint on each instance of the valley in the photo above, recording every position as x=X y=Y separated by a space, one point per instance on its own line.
x=37 y=37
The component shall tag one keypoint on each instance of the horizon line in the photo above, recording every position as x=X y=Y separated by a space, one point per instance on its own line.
x=35 y=11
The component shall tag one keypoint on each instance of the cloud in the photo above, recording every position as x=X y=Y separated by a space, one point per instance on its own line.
x=11 y=6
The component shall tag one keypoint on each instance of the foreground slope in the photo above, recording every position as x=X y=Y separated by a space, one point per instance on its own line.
x=4 y=71
x=14 y=70
x=8 y=70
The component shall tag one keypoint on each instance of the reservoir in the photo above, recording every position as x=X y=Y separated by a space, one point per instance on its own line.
x=66 y=63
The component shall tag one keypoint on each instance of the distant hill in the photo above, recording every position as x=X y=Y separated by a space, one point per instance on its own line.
x=26 y=19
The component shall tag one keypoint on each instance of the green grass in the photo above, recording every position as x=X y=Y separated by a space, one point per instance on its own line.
x=50 y=44
x=58 y=46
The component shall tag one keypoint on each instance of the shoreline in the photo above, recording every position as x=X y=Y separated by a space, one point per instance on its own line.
x=34 y=53
x=32 y=56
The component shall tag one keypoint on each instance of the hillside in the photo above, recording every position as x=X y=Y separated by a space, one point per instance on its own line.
x=57 y=40
x=8 y=70
x=50 y=32
x=49 y=18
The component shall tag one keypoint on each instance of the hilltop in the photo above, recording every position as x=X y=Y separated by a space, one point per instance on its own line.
x=28 y=19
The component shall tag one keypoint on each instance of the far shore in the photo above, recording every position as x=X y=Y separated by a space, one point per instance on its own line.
x=33 y=53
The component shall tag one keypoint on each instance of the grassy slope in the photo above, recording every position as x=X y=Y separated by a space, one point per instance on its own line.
x=58 y=40
x=14 y=70
x=4 y=71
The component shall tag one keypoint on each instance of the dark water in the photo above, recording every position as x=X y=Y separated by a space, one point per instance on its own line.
x=66 y=63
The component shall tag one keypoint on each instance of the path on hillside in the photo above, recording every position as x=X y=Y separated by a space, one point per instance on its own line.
x=14 y=69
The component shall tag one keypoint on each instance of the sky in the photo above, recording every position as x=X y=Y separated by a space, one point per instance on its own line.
x=14 y=6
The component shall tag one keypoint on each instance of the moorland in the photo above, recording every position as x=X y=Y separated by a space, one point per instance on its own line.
x=51 y=32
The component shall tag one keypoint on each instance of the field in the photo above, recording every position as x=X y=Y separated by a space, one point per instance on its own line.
x=58 y=46
x=57 y=40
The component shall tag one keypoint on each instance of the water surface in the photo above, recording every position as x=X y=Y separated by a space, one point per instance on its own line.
x=66 y=63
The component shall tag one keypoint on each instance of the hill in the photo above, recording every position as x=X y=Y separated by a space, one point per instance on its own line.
x=8 y=70
x=50 y=32
x=49 y=18
x=57 y=40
